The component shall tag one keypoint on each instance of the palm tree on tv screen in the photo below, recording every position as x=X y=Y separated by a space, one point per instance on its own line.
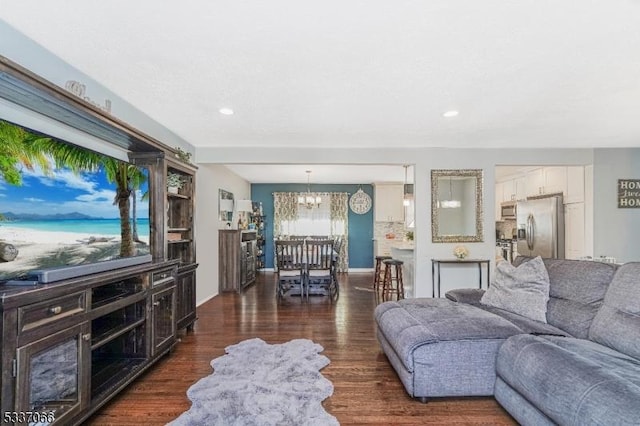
x=136 y=180
x=16 y=151
x=27 y=149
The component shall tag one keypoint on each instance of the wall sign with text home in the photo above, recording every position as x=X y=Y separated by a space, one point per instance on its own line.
x=629 y=193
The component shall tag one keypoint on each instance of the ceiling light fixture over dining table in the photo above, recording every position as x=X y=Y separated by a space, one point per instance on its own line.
x=309 y=199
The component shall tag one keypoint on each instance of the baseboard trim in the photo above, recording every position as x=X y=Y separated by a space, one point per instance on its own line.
x=206 y=300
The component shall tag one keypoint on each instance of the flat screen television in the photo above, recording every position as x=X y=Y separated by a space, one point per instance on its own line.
x=66 y=210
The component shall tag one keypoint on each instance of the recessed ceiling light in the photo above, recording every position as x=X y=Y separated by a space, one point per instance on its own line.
x=449 y=114
x=226 y=111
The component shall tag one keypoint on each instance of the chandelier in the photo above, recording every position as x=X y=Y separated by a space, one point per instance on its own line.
x=309 y=199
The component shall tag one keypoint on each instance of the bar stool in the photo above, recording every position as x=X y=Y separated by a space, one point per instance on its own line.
x=378 y=276
x=393 y=272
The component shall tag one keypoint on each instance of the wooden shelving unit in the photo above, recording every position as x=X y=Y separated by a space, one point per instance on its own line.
x=180 y=222
x=173 y=234
x=260 y=222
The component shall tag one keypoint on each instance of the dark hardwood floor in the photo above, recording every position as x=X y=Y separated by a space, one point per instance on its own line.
x=367 y=390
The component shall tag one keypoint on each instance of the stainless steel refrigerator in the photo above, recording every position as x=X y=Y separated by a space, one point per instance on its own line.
x=540 y=225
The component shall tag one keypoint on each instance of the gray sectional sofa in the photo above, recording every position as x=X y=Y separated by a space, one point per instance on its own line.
x=581 y=367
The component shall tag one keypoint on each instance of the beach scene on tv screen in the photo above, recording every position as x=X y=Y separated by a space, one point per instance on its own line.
x=63 y=205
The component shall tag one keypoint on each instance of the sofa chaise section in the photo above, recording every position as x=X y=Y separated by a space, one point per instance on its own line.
x=593 y=380
x=568 y=381
x=442 y=348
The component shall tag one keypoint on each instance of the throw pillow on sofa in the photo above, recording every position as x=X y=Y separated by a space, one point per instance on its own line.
x=523 y=290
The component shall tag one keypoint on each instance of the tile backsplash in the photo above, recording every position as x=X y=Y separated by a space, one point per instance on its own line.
x=382 y=229
x=386 y=235
x=507 y=228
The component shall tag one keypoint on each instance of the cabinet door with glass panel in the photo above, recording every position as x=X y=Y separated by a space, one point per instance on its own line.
x=53 y=373
x=163 y=313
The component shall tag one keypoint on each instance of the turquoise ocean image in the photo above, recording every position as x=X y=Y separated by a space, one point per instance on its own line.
x=83 y=226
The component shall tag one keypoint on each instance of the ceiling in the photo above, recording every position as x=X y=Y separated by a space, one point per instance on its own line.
x=374 y=73
x=322 y=173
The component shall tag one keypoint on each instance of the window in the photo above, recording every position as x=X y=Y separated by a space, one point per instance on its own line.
x=315 y=221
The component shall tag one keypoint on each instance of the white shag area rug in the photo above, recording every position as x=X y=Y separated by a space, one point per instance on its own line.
x=261 y=384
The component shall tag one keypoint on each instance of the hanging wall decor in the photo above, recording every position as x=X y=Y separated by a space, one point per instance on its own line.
x=360 y=202
x=629 y=193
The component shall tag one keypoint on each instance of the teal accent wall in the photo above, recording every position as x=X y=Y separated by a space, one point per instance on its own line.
x=360 y=225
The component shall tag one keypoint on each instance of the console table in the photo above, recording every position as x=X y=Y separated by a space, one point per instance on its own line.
x=435 y=270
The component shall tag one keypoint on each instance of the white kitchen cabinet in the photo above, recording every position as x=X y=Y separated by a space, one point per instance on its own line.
x=520 y=185
x=575 y=185
x=546 y=180
x=509 y=190
x=388 y=205
x=534 y=182
x=498 y=201
x=555 y=180
x=515 y=189
x=574 y=230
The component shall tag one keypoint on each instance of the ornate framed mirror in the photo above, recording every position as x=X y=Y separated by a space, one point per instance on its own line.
x=456 y=206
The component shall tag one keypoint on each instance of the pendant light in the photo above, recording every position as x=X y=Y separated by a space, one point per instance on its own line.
x=451 y=203
x=408 y=189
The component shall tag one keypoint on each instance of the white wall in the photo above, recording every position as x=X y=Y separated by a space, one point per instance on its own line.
x=424 y=160
x=209 y=179
x=616 y=231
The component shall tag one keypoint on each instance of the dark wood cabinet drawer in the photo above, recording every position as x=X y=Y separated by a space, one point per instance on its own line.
x=39 y=314
x=162 y=276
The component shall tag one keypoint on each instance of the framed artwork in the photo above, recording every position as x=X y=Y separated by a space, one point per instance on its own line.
x=225 y=205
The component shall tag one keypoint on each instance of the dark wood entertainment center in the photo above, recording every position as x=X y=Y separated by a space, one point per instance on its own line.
x=71 y=345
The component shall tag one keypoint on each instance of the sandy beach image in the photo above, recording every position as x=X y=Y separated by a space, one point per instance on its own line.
x=62 y=205
x=39 y=249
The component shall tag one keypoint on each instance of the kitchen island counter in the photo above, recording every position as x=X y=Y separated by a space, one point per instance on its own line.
x=404 y=251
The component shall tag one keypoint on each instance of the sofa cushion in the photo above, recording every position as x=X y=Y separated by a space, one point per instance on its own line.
x=523 y=290
x=576 y=292
x=617 y=324
x=526 y=325
x=572 y=381
x=411 y=323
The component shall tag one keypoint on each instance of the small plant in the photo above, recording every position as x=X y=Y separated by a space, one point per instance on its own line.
x=174 y=180
x=183 y=155
x=409 y=235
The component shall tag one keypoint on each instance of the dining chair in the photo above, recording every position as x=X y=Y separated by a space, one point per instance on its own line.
x=320 y=275
x=291 y=267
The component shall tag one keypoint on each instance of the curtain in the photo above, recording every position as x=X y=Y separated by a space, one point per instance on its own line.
x=285 y=207
x=339 y=217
